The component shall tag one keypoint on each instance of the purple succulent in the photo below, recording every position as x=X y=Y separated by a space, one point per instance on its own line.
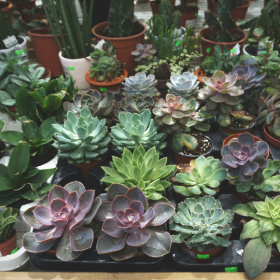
x=143 y=51
x=245 y=158
x=62 y=215
x=126 y=225
x=247 y=77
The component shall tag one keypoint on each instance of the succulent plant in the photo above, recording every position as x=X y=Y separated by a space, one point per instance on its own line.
x=202 y=222
x=128 y=229
x=144 y=54
x=142 y=169
x=62 y=216
x=263 y=230
x=200 y=176
x=269 y=113
x=185 y=85
x=8 y=218
x=140 y=86
x=135 y=130
x=270 y=183
x=81 y=140
x=245 y=158
x=20 y=180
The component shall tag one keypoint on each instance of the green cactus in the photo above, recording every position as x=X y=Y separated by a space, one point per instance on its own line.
x=165 y=9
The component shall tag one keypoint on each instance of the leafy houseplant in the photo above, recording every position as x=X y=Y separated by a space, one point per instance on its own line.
x=65 y=215
x=129 y=229
x=263 y=231
x=142 y=169
x=20 y=180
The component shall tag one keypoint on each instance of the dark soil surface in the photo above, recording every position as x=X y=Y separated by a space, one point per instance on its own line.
x=213 y=38
x=187 y=9
x=238 y=124
x=251 y=50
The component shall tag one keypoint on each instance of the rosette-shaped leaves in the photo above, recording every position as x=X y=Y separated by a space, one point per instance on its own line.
x=263 y=230
x=140 y=86
x=202 y=175
x=142 y=169
x=144 y=53
x=62 y=216
x=185 y=85
x=82 y=140
x=128 y=229
x=245 y=158
x=135 y=130
x=202 y=222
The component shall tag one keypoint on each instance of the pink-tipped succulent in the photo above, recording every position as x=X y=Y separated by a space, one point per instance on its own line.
x=62 y=216
x=128 y=229
x=144 y=53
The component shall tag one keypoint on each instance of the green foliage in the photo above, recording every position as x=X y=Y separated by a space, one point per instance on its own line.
x=20 y=180
x=8 y=218
x=142 y=169
x=170 y=18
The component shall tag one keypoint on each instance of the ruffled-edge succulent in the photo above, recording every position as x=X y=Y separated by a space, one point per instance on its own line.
x=65 y=216
x=202 y=175
x=200 y=223
x=144 y=54
x=129 y=229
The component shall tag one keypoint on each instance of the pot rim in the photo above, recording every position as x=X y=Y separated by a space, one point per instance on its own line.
x=10 y=5
x=269 y=136
x=240 y=7
x=31 y=33
x=206 y=249
x=241 y=129
x=194 y=156
x=76 y=59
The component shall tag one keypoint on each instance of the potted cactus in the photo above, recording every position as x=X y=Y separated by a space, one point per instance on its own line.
x=8 y=235
x=106 y=72
x=122 y=31
x=130 y=231
x=176 y=116
x=189 y=10
x=151 y=176
x=155 y=5
x=83 y=140
x=262 y=230
x=205 y=239
x=199 y=178
x=65 y=216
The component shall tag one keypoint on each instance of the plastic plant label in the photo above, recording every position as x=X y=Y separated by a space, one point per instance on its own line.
x=203 y=85
x=202 y=256
x=264 y=52
x=208 y=50
x=232 y=51
x=71 y=68
x=231 y=269
x=25 y=51
x=262 y=46
x=195 y=15
x=235 y=50
x=19 y=52
x=229 y=134
x=178 y=43
x=14 y=251
x=100 y=44
x=103 y=89
x=10 y=41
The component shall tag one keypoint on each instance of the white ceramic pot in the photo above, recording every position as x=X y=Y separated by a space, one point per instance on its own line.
x=10 y=124
x=23 y=47
x=77 y=68
x=248 y=61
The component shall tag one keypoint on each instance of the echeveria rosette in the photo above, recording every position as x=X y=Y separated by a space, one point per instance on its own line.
x=128 y=228
x=244 y=158
x=62 y=216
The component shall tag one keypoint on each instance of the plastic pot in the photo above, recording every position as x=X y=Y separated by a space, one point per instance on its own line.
x=22 y=43
x=270 y=139
x=200 y=73
x=124 y=46
x=46 y=50
x=178 y=158
x=189 y=18
x=207 y=45
x=7 y=7
x=248 y=61
x=39 y=160
x=7 y=247
x=155 y=7
x=86 y=166
x=106 y=86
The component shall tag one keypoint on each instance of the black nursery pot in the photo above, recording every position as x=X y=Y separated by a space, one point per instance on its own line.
x=38 y=160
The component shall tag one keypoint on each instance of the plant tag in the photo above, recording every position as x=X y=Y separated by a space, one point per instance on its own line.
x=231 y=269
x=208 y=50
x=19 y=52
x=178 y=43
x=71 y=68
x=262 y=46
x=10 y=41
x=14 y=251
x=203 y=85
x=229 y=134
x=202 y=256
x=264 y=52
x=103 y=89
x=235 y=50
x=195 y=15
x=100 y=44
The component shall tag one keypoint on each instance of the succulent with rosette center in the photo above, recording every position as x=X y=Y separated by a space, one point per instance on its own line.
x=144 y=54
x=245 y=158
x=65 y=215
x=128 y=229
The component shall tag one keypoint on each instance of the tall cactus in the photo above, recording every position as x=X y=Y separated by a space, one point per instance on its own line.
x=165 y=8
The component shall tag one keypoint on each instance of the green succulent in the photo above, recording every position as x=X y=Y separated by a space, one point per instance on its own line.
x=20 y=180
x=135 y=130
x=142 y=169
x=8 y=218
x=81 y=139
x=201 y=176
x=201 y=223
x=263 y=230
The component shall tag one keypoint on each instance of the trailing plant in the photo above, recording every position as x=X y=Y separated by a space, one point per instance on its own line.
x=142 y=169
x=65 y=216
x=81 y=139
x=20 y=180
x=202 y=175
x=200 y=223
x=8 y=218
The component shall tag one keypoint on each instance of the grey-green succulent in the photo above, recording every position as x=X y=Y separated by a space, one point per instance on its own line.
x=81 y=139
x=200 y=223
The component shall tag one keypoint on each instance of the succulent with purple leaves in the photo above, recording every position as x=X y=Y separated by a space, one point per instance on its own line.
x=62 y=216
x=144 y=54
x=245 y=158
x=128 y=229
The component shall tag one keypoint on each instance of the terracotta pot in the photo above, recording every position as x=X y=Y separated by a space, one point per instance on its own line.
x=13 y=110
x=7 y=247
x=208 y=254
x=124 y=46
x=86 y=166
x=190 y=17
x=52 y=252
x=49 y=73
x=200 y=73
x=178 y=158
x=46 y=50
x=155 y=7
x=275 y=252
x=209 y=45
x=270 y=139
x=106 y=86
x=242 y=197
x=7 y=7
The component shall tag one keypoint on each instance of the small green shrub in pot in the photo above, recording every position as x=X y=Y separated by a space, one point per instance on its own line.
x=8 y=218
